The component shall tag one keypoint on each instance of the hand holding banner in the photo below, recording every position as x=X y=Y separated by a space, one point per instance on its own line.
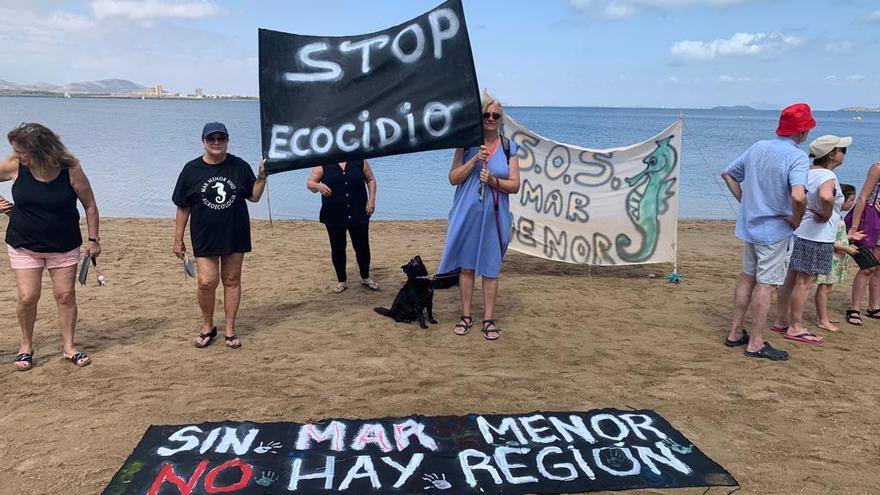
x=329 y=99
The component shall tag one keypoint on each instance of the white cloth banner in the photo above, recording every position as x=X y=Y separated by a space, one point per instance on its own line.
x=615 y=206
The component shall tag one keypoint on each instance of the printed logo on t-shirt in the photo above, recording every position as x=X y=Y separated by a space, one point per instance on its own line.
x=218 y=193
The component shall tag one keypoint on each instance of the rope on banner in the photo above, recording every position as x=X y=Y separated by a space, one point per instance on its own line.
x=724 y=191
x=676 y=277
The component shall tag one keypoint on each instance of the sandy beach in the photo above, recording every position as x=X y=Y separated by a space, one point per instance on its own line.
x=574 y=339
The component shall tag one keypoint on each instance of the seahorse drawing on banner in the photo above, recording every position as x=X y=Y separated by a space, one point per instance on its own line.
x=649 y=199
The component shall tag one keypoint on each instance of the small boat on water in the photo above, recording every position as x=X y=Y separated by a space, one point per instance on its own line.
x=66 y=94
x=857 y=117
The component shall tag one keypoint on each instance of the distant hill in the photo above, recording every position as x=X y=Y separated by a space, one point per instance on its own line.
x=734 y=107
x=105 y=86
x=860 y=109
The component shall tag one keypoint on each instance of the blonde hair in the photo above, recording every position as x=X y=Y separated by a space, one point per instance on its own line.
x=44 y=147
x=487 y=100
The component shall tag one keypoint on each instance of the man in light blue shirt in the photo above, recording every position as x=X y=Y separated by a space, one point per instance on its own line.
x=768 y=180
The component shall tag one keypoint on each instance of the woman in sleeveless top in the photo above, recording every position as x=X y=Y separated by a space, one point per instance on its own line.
x=348 y=199
x=480 y=221
x=865 y=217
x=44 y=233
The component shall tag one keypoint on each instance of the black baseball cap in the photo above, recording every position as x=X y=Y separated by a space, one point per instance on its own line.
x=212 y=127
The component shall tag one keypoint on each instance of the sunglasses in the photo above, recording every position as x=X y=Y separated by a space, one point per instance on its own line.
x=842 y=150
x=216 y=139
x=494 y=115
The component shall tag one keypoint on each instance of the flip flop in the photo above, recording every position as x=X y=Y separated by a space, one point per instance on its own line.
x=873 y=313
x=778 y=329
x=804 y=338
x=340 y=288
x=231 y=341
x=80 y=359
x=373 y=285
x=210 y=336
x=24 y=357
x=738 y=342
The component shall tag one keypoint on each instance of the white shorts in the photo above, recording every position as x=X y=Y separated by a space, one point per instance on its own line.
x=767 y=263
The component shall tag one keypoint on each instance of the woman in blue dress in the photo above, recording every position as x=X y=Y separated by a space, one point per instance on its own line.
x=480 y=221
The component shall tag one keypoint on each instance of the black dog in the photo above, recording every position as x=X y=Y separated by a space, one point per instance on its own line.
x=415 y=300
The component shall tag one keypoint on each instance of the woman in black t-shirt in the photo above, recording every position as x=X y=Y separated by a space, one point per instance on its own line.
x=348 y=198
x=43 y=231
x=213 y=189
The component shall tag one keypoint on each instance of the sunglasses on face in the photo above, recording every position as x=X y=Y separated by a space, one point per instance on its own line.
x=494 y=115
x=842 y=150
x=216 y=139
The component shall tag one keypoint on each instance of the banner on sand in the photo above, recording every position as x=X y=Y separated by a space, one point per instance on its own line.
x=330 y=99
x=615 y=206
x=565 y=452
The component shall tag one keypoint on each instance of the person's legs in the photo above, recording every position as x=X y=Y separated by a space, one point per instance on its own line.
x=783 y=301
x=208 y=277
x=874 y=292
x=337 y=253
x=860 y=282
x=823 y=319
x=64 y=290
x=466 y=291
x=360 y=241
x=760 y=307
x=230 y=274
x=490 y=292
x=29 y=284
x=742 y=297
x=799 y=293
x=770 y=273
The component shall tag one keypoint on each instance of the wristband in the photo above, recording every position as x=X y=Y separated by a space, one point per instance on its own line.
x=96 y=240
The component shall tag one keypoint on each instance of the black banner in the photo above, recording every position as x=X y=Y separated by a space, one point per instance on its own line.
x=564 y=452
x=408 y=88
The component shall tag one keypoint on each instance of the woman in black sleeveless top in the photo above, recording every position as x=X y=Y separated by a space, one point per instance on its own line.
x=348 y=198
x=43 y=231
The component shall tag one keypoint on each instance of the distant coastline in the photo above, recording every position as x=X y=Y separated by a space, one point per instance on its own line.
x=109 y=88
x=860 y=109
x=130 y=96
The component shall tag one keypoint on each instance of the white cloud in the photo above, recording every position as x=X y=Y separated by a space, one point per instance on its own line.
x=619 y=9
x=839 y=48
x=830 y=78
x=873 y=16
x=150 y=9
x=730 y=79
x=738 y=45
x=855 y=78
x=65 y=21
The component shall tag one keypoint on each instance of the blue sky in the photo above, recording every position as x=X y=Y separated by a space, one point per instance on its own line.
x=674 y=53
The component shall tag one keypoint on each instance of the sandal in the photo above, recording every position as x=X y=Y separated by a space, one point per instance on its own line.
x=853 y=317
x=340 y=287
x=24 y=357
x=490 y=333
x=202 y=336
x=873 y=313
x=80 y=359
x=373 y=285
x=465 y=323
x=232 y=342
